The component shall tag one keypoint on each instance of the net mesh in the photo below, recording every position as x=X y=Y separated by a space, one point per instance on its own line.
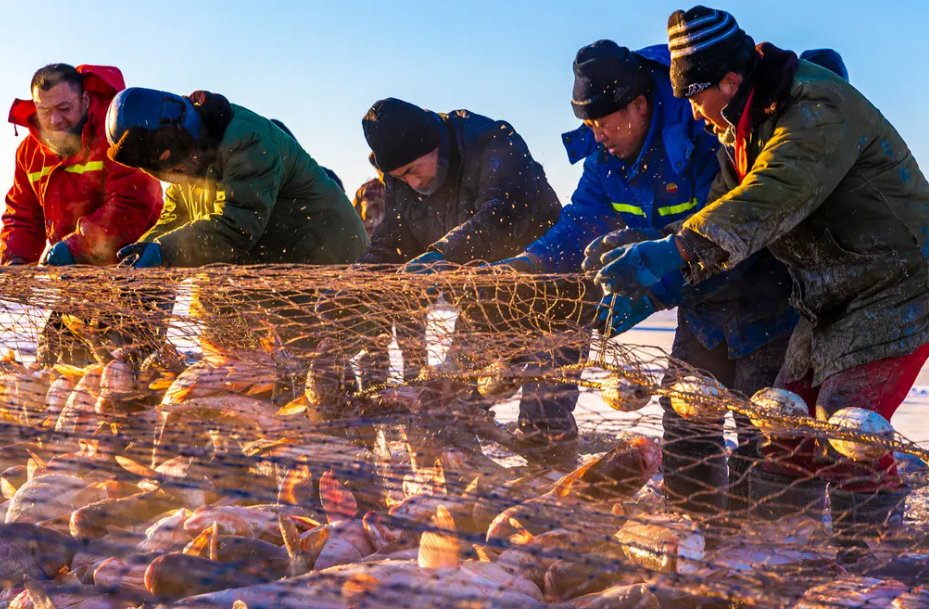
x=342 y=437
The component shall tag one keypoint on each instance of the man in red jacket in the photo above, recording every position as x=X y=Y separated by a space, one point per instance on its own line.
x=66 y=192
x=65 y=189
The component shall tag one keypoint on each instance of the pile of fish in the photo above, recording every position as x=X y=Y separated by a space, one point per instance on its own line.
x=209 y=485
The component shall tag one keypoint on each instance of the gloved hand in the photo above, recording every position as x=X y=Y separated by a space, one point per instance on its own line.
x=425 y=264
x=58 y=255
x=627 y=314
x=632 y=270
x=141 y=256
x=618 y=238
x=523 y=263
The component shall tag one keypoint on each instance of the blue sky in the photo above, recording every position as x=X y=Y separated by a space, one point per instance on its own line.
x=318 y=66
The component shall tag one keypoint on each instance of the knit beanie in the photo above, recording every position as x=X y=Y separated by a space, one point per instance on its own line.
x=399 y=133
x=705 y=45
x=606 y=78
x=826 y=58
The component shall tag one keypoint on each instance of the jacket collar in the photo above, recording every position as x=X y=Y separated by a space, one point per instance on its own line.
x=771 y=78
x=580 y=143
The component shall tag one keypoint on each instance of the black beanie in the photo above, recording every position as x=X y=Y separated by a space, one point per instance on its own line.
x=705 y=45
x=399 y=133
x=606 y=78
x=826 y=58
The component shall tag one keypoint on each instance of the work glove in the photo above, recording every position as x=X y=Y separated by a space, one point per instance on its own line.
x=633 y=269
x=141 y=256
x=58 y=255
x=425 y=264
x=618 y=238
x=626 y=314
x=523 y=263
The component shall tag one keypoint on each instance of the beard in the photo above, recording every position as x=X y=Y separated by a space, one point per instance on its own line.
x=439 y=179
x=67 y=143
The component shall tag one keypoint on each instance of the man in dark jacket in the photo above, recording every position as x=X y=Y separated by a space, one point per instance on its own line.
x=819 y=176
x=459 y=188
x=648 y=165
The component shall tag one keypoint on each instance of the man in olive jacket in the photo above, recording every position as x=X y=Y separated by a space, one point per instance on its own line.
x=242 y=190
x=819 y=176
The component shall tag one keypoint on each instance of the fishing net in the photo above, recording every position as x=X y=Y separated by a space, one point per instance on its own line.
x=340 y=437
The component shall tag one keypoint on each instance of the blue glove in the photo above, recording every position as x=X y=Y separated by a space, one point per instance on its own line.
x=141 y=256
x=627 y=313
x=524 y=263
x=425 y=264
x=633 y=269
x=619 y=238
x=59 y=255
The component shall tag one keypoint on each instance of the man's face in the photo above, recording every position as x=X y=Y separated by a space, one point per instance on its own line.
x=420 y=173
x=61 y=111
x=372 y=213
x=623 y=132
x=709 y=104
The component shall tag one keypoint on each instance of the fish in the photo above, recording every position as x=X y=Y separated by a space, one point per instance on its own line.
x=635 y=596
x=533 y=555
x=78 y=418
x=220 y=374
x=90 y=521
x=852 y=591
x=180 y=476
x=236 y=520
x=613 y=477
x=50 y=497
x=347 y=538
x=663 y=543
x=177 y=575
x=58 y=393
x=29 y=550
x=167 y=534
x=123 y=575
x=912 y=600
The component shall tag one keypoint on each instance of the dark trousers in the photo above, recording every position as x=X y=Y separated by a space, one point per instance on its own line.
x=696 y=474
x=547 y=407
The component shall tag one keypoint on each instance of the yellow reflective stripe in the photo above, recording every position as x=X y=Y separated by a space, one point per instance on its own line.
x=92 y=166
x=629 y=209
x=676 y=209
x=38 y=175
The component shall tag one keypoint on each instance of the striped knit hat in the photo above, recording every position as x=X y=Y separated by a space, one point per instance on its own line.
x=705 y=45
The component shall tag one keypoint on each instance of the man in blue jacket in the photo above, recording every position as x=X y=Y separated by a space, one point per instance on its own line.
x=649 y=165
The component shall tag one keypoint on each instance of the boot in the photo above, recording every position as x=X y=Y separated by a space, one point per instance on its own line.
x=859 y=518
x=548 y=448
x=772 y=496
x=696 y=485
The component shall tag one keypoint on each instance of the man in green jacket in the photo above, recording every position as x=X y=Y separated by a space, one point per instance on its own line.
x=815 y=173
x=242 y=190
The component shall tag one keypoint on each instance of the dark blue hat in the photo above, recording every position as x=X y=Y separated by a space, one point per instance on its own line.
x=141 y=124
x=826 y=58
x=606 y=78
